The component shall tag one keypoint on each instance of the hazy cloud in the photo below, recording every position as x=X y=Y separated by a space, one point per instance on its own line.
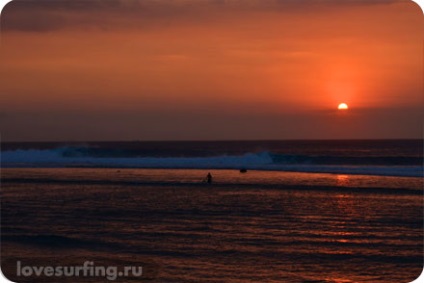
x=42 y=16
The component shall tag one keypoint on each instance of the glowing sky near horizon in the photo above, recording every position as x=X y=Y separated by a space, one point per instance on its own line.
x=210 y=69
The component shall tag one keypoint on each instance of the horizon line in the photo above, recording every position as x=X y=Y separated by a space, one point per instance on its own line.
x=212 y=140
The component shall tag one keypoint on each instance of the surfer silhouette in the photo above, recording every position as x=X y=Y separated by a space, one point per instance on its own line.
x=209 y=178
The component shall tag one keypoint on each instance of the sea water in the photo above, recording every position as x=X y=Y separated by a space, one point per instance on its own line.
x=258 y=226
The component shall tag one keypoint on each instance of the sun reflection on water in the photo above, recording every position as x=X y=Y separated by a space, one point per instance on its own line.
x=342 y=180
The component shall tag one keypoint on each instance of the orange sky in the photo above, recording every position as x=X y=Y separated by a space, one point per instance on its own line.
x=211 y=69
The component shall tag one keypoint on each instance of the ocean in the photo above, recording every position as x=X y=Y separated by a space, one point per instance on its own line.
x=304 y=211
x=377 y=157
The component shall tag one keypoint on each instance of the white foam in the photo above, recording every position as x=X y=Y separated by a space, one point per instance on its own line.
x=259 y=161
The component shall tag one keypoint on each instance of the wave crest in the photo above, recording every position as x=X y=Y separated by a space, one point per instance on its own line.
x=81 y=157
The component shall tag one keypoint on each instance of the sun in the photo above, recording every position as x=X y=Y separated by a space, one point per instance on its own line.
x=343 y=106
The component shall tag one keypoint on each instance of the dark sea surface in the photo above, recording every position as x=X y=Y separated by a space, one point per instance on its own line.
x=265 y=225
x=368 y=157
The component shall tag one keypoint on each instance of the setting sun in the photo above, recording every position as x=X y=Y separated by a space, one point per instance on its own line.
x=343 y=106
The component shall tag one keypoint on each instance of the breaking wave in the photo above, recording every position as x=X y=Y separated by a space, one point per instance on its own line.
x=85 y=157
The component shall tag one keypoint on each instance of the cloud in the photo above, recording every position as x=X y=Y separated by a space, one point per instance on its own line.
x=45 y=16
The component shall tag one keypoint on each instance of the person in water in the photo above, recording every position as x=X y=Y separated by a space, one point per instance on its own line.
x=209 y=178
